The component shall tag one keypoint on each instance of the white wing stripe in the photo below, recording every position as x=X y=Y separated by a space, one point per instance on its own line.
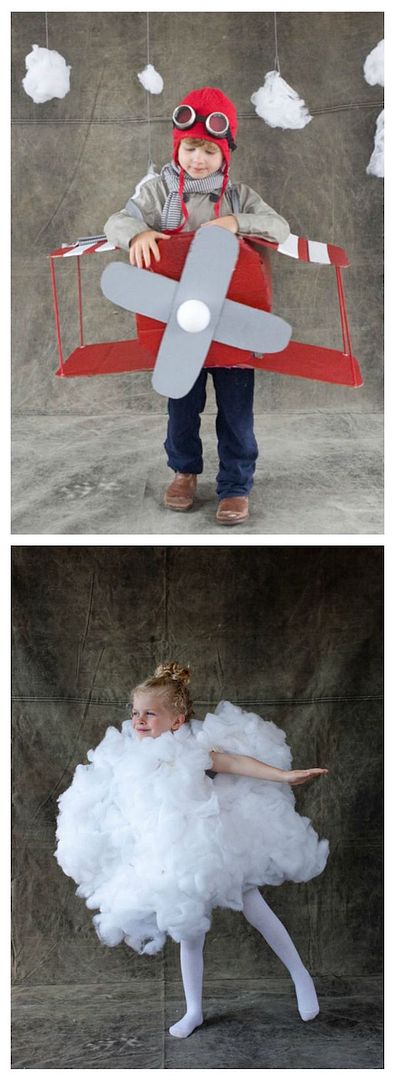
x=290 y=246
x=80 y=248
x=77 y=250
x=318 y=253
x=106 y=246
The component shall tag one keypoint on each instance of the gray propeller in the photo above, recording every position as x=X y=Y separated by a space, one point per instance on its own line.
x=195 y=310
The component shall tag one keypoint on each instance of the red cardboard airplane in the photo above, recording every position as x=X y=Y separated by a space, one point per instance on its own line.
x=236 y=314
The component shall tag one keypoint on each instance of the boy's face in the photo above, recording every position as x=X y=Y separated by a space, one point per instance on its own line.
x=199 y=161
x=152 y=715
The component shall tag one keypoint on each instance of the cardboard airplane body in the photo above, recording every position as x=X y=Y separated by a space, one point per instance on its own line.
x=195 y=310
x=234 y=286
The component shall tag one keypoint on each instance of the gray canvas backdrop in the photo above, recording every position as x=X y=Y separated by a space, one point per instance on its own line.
x=77 y=160
x=293 y=634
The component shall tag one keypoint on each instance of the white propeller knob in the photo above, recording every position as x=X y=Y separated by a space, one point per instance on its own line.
x=193 y=316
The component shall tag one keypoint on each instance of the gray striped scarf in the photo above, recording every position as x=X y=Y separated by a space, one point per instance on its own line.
x=172 y=210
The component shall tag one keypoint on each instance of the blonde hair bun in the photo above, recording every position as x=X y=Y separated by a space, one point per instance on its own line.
x=171 y=670
x=172 y=680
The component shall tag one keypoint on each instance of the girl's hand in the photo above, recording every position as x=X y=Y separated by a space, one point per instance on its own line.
x=299 y=776
x=141 y=247
x=226 y=222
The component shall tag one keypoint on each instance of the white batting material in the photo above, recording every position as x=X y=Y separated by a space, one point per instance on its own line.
x=279 y=105
x=290 y=246
x=373 y=70
x=48 y=75
x=373 y=67
x=376 y=163
x=155 y=845
x=318 y=252
x=151 y=80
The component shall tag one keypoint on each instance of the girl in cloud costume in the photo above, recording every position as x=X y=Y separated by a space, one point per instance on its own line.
x=156 y=843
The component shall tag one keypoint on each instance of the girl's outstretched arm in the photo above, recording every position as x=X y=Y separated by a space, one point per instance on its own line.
x=242 y=765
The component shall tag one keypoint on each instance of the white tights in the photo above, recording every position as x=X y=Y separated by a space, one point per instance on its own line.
x=191 y=957
x=260 y=915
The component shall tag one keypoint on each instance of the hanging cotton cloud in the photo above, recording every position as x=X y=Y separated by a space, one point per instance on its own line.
x=279 y=105
x=151 y=80
x=376 y=163
x=373 y=67
x=373 y=70
x=48 y=75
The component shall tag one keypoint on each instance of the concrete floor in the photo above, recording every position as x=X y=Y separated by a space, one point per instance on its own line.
x=318 y=472
x=252 y=1024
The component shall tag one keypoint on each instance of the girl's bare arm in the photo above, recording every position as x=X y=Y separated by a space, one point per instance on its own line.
x=242 y=765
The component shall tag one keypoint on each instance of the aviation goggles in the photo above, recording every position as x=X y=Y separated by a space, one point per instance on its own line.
x=216 y=123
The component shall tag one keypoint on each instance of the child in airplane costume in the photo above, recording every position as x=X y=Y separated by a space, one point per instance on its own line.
x=204 y=132
x=155 y=841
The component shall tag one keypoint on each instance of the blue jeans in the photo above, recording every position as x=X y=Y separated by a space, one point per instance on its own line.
x=237 y=447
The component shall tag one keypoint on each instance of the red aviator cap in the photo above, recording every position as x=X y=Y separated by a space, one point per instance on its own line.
x=209 y=99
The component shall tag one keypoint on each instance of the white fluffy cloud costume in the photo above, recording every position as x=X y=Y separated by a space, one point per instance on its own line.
x=155 y=844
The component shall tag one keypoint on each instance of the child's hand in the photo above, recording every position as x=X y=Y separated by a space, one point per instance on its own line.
x=226 y=222
x=141 y=247
x=299 y=776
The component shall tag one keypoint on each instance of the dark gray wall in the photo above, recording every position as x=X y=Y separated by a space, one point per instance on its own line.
x=75 y=161
x=293 y=633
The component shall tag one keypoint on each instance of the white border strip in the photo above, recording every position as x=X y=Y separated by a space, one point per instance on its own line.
x=318 y=253
x=290 y=246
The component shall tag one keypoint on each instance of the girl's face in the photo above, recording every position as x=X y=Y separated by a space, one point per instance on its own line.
x=152 y=715
x=199 y=161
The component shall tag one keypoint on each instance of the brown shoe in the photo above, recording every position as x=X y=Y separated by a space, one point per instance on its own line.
x=232 y=511
x=180 y=493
